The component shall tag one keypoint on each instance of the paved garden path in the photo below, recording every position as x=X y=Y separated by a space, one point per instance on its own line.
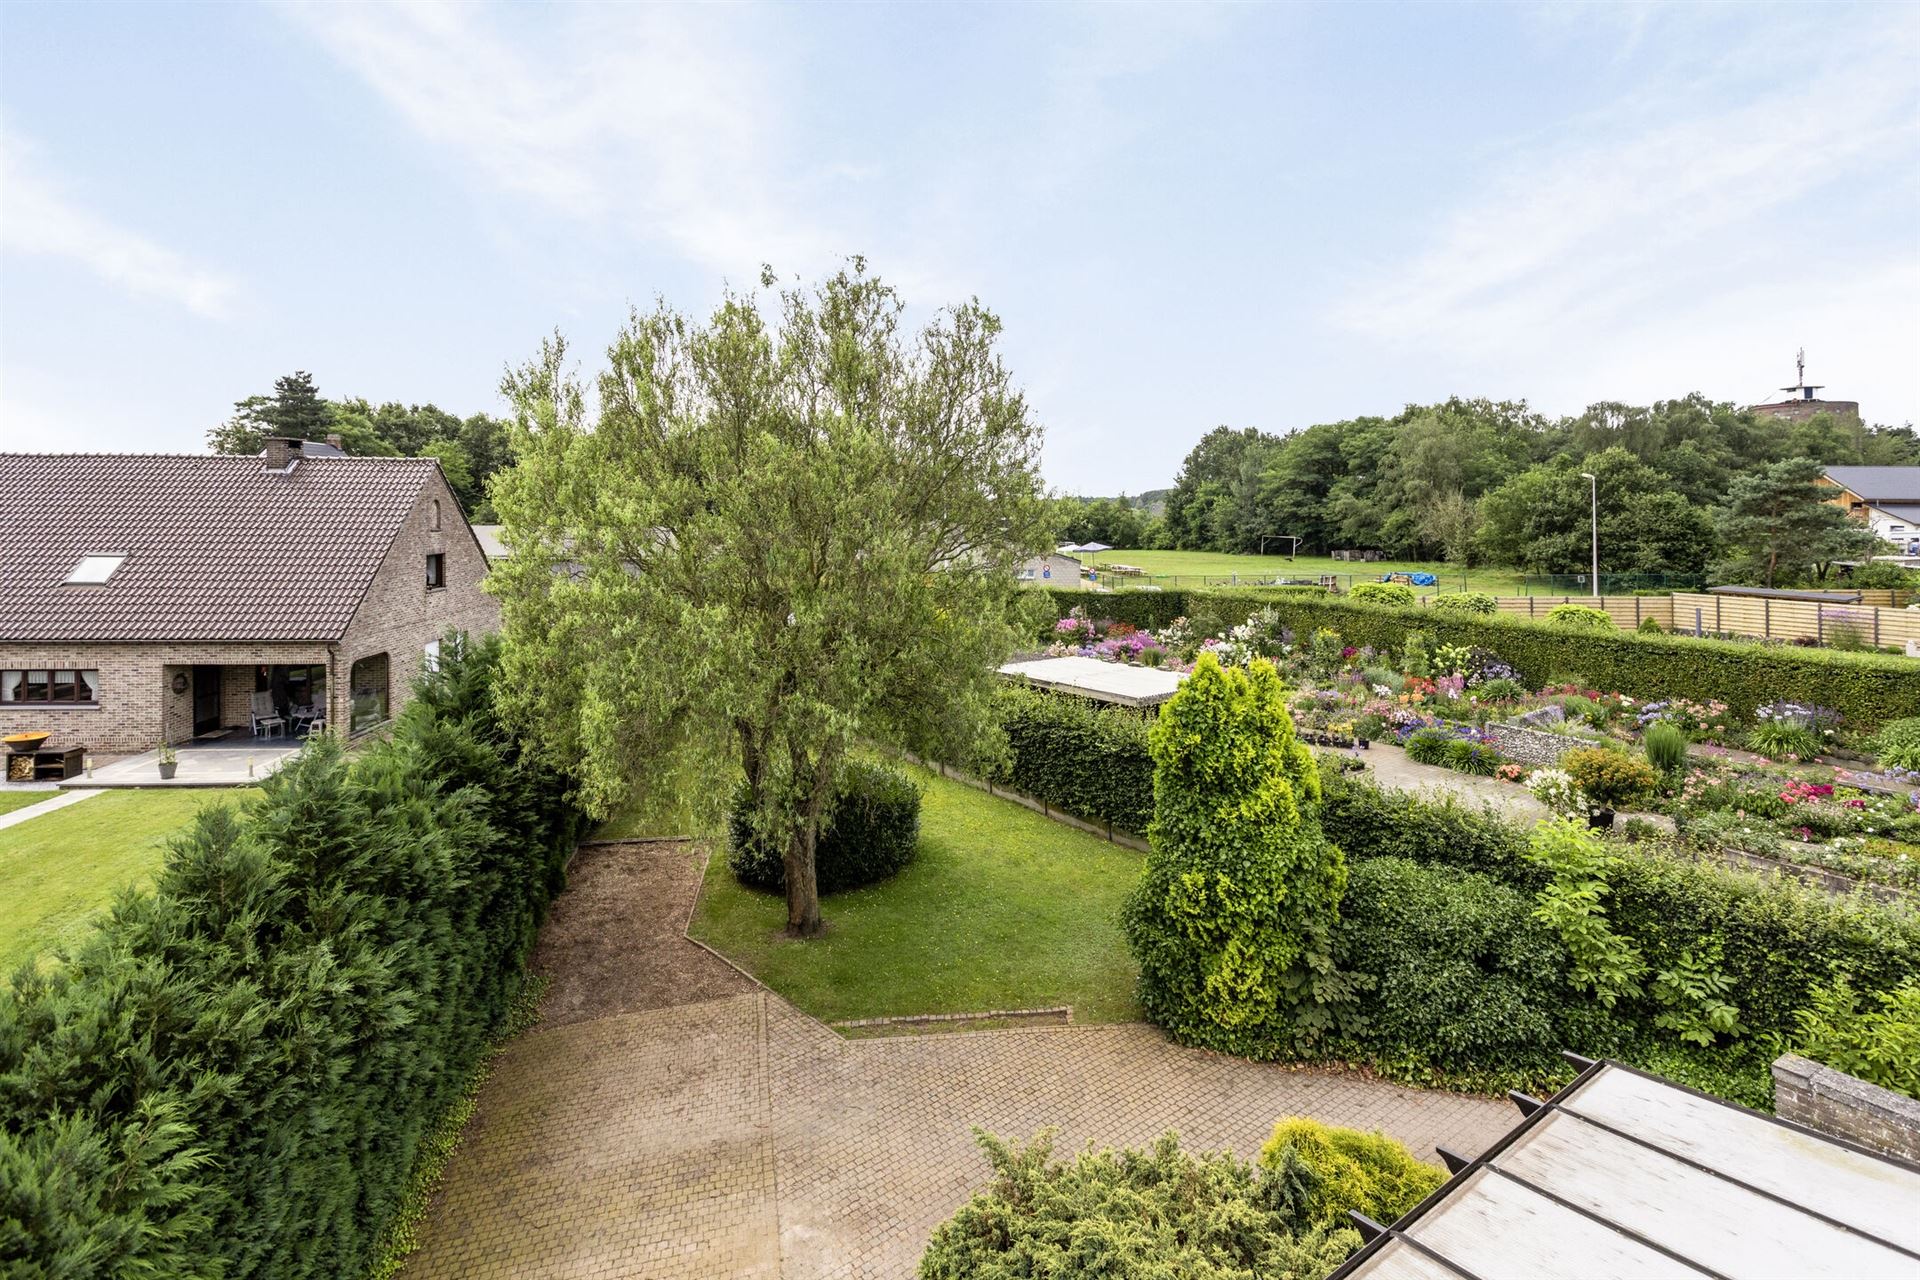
x=669 y=1118
x=1390 y=767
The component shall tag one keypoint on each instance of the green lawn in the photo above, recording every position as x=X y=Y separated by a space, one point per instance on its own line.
x=58 y=870
x=1002 y=909
x=11 y=800
x=1190 y=567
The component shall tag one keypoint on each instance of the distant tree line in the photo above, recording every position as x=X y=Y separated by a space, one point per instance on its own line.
x=1684 y=486
x=470 y=450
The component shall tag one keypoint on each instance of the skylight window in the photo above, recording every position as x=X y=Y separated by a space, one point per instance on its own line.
x=94 y=570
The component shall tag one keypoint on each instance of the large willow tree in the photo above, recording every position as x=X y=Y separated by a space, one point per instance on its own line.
x=780 y=535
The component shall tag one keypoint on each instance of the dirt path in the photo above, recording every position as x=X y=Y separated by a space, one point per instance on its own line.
x=669 y=1118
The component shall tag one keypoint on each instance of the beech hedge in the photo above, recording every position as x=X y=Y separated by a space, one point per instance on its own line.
x=1083 y=757
x=1867 y=688
x=234 y=1074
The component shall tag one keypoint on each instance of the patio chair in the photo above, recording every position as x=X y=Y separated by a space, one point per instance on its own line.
x=267 y=721
x=304 y=716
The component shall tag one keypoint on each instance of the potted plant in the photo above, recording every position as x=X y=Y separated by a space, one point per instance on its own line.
x=169 y=760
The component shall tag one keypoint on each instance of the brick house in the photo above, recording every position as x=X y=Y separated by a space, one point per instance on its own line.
x=150 y=598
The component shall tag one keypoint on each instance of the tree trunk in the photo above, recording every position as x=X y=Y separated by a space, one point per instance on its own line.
x=803 y=885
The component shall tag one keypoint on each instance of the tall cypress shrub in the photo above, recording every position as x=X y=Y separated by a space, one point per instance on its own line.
x=234 y=1074
x=1241 y=886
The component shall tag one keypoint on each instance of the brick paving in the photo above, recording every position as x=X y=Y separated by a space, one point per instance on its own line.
x=732 y=1135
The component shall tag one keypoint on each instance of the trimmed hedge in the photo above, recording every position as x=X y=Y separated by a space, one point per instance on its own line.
x=872 y=829
x=1868 y=689
x=1083 y=757
x=235 y=1074
x=1396 y=594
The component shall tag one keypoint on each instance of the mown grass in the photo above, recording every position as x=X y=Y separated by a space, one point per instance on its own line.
x=11 y=800
x=1163 y=566
x=1001 y=909
x=57 y=871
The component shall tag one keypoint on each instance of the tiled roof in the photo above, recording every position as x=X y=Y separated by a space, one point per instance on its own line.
x=217 y=548
x=1885 y=484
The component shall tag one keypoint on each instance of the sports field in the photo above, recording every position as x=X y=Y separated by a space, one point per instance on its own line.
x=1215 y=568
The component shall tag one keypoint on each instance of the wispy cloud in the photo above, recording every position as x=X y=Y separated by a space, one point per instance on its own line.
x=38 y=217
x=1655 y=200
x=658 y=119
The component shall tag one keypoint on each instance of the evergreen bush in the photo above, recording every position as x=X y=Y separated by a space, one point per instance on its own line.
x=1580 y=617
x=1151 y=1214
x=1466 y=602
x=1241 y=886
x=1398 y=594
x=1321 y=1172
x=1611 y=779
x=871 y=830
x=235 y=1073
x=1087 y=758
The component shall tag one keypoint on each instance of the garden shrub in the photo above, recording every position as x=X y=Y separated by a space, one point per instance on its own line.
x=1241 y=886
x=1321 y=1172
x=1464 y=755
x=1155 y=1213
x=871 y=830
x=1666 y=748
x=1610 y=779
x=1398 y=594
x=1464 y=977
x=1880 y=1045
x=1897 y=746
x=1466 y=602
x=1868 y=689
x=1580 y=617
x=1784 y=740
x=234 y=1074
x=1429 y=745
x=1650 y=626
x=1500 y=690
x=1087 y=758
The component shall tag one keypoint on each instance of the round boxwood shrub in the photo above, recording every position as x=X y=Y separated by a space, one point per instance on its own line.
x=1609 y=778
x=1397 y=594
x=1579 y=617
x=872 y=829
x=1465 y=602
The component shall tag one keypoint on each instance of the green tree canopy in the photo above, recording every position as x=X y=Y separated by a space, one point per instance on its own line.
x=1779 y=524
x=781 y=536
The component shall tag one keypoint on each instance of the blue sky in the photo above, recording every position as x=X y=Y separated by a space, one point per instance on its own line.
x=1186 y=215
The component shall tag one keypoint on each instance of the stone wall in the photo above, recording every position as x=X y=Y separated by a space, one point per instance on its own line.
x=1530 y=746
x=1833 y=1102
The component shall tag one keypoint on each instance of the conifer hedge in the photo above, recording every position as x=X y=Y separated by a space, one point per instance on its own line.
x=1867 y=688
x=232 y=1076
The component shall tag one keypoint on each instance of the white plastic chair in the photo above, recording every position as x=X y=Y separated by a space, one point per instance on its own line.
x=265 y=717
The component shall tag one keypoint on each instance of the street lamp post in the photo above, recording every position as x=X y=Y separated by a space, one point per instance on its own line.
x=1595 y=481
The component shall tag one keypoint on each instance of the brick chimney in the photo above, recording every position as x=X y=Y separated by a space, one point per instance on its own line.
x=281 y=452
x=333 y=438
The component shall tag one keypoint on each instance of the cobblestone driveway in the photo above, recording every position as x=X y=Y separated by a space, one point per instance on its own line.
x=731 y=1135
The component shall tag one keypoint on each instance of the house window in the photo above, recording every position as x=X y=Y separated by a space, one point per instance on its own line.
x=72 y=686
x=367 y=691
x=436 y=514
x=436 y=571
x=430 y=656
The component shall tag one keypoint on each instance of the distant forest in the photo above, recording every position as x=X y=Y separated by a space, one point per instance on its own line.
x=1681 y=484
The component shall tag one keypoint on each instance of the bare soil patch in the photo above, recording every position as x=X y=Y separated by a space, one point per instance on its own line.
x=614 y=941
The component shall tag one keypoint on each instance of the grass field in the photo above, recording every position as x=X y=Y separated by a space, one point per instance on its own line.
x=58 y=870
x=1213 y=568
x=1002 y=909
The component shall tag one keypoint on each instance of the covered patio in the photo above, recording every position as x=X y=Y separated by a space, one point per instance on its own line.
x=237 y=762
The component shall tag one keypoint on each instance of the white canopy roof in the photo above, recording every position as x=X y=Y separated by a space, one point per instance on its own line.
x=1104 y=681
x=1624 y=1175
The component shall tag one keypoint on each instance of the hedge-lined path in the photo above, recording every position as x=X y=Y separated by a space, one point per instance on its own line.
x=669 y=1118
